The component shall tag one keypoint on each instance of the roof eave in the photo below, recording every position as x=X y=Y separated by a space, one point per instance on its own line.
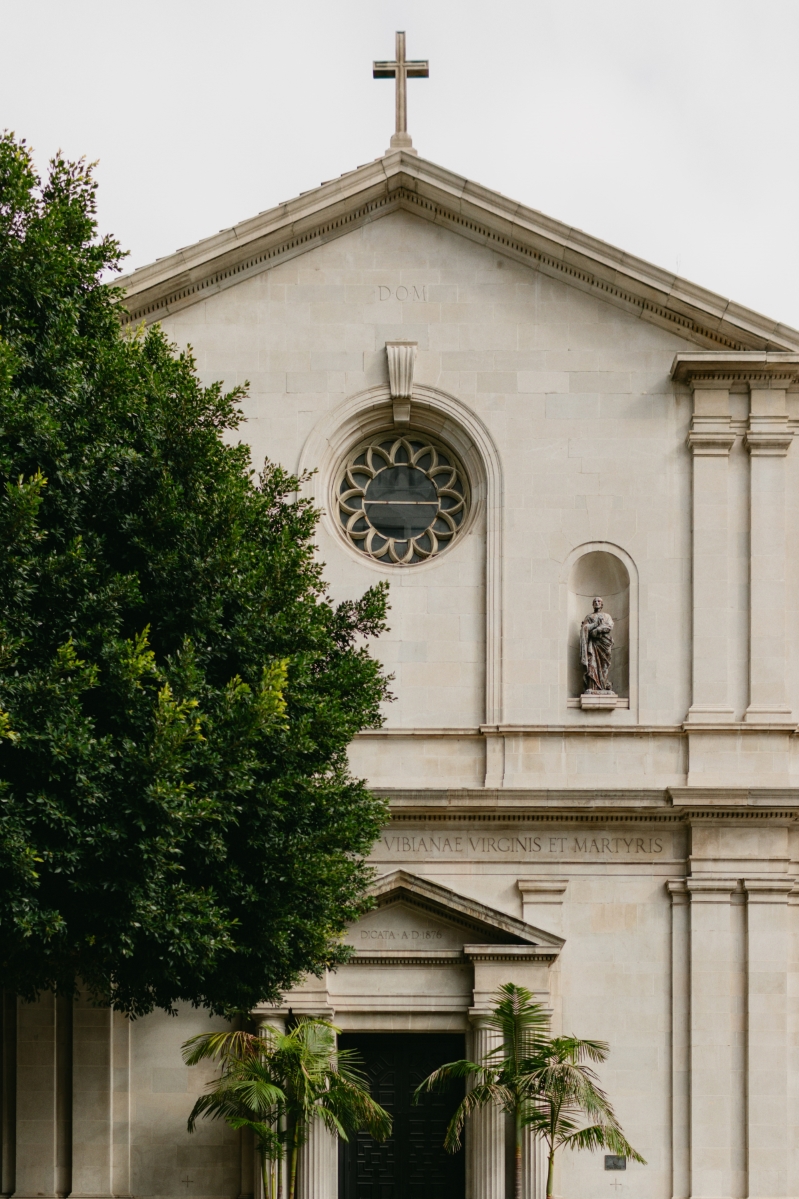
x=402 y=180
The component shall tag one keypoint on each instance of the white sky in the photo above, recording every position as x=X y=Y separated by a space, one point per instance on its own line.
x=666 y=127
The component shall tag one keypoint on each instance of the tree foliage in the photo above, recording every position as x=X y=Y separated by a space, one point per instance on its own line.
x=277 y=1084
x=177 y=692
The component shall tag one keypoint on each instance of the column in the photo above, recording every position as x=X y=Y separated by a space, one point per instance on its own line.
x=767 y=1048
x=710 y=440
x=768 y=439
x=485 y=1144
x=8 y=1093
x=91 y=1099
x=43 y=1140
x=680 y=1041
x=120 y=1105
x=318 y=1165
x=534 y=1158
x=711 y=1036
x=275 y=1019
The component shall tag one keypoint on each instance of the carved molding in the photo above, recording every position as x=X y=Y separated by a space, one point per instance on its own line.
x=401 y=361
x=743 y=366
x=401 y=181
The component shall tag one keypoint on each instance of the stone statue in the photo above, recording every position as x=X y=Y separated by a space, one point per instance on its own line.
x=596 y=648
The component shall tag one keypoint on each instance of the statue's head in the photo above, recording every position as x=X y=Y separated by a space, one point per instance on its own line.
x=598 y=604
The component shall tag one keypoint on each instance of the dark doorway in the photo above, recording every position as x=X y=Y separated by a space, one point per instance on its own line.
x=412 y=1164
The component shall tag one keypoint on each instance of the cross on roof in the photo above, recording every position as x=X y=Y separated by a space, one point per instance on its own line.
x=401 y=70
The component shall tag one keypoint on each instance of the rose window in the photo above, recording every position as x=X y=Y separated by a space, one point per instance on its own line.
x=402 y=499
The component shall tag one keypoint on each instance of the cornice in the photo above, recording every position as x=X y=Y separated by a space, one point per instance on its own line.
x=590 y=806
x=717 y=369
x=403 y=181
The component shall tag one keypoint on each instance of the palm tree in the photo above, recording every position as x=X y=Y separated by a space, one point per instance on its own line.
x=502 y=1076
x=563 y=1092
x=277 y=1084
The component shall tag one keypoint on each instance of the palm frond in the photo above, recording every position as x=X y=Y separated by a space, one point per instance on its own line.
x=600 y=1136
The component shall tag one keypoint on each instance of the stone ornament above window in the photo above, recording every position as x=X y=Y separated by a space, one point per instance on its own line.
x=402 y=498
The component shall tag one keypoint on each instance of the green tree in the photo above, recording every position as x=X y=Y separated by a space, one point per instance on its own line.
x=177 y=692
x=501 y=1079
x=565 y=1093
x=278 y=1084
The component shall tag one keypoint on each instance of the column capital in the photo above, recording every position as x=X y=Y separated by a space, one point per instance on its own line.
x=545 y=890
x=771 y=442
x=710 y=442
x=711 y=890
x=678 y=890
x=766 y=890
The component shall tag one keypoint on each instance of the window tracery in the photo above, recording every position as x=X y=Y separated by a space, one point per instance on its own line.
x=402 y=498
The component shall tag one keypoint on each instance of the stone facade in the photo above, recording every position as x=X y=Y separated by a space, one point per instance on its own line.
x=627 y=435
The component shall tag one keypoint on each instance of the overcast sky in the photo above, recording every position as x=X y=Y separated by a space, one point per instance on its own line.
x=669 y=128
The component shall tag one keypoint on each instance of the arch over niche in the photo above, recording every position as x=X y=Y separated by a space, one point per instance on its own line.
x=442 y=415
x=600 y=568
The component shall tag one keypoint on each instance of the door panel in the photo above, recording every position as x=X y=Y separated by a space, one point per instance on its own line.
x=412 y=1164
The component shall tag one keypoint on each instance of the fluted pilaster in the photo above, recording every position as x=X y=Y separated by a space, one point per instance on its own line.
x=486 y=1134
x=317 y=1176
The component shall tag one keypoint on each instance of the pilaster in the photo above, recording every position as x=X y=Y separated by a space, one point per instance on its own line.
x=768 y=440
x=91 y=1100
x=43 y=1132
x=542 y=902
x=485 y=1137
x=710 y=440
x=8 y=1093
x=711 y=1026
x=767 y=1048
x=680 y=1041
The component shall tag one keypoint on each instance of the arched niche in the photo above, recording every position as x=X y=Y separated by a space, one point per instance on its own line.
x=600 y=569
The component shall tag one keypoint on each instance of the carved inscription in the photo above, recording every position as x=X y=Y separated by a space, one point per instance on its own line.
x=524 y=845
x=412 y=293
x=414 y=936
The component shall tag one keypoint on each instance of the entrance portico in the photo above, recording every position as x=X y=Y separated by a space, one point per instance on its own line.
x=426 y=960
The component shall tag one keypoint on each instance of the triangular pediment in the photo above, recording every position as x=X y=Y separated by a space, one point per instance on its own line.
x=413 y=916
x=403 y=182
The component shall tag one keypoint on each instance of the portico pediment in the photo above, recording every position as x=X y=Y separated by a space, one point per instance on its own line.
x=415 y=918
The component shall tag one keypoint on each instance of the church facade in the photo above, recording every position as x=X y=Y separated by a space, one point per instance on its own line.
x=508 y=420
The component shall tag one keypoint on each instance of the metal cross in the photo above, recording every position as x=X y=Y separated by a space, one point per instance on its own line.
x=401 y=70
x=186 y=1181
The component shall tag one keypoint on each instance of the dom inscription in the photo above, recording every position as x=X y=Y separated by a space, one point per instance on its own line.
x=412 y=293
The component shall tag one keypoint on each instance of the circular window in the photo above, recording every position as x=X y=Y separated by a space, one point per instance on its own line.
x=402 y=499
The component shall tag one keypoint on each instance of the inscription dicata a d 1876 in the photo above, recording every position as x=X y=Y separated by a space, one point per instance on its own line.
x=522 y=846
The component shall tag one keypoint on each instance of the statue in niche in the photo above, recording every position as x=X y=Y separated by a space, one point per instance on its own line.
x=596 y=648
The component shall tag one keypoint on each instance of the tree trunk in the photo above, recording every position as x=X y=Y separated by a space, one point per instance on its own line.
x=518 y=1159
x=551 y=1173
x=293 y=1169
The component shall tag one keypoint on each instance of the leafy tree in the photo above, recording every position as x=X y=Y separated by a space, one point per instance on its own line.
x=278 y=1084
x=539 y=1082
x=565 y=1092
x=501 y=1078
x=177 y=692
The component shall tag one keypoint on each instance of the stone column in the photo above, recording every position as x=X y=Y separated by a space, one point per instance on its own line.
x=534 y=1165
x=768 y=439
x=711 y=1016
x=8 y=1093
x=680 y=1041
x=318 y=1165
x=275 y=1019
x=91 y=1099
x=767 y=1049
x=710 y=440
x=486 y=1132
x=43 y=1133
